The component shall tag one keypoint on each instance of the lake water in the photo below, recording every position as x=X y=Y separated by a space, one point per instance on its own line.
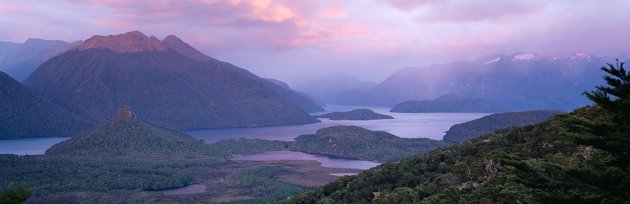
x=326 y=161
x=406 y=125
x=30 y=146
x=187 y=190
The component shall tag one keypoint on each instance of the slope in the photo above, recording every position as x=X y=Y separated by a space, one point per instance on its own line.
x=293 y=97
x=25 y=114
x=166 y=88
x=449 y=103
x=533 y=164
x=488 y=124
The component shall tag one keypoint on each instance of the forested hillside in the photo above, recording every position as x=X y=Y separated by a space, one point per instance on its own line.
x=581 y=157
x=488 y=124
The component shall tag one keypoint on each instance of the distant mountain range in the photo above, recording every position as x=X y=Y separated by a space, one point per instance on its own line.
x=521 y=81
x=450 y=103
x=169 y=83
x=18 y=60
x=25 y=114
x=327 y=89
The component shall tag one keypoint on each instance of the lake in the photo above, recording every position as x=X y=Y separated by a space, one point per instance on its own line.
x=406 y=125
x=30 y=146
x=326 y=161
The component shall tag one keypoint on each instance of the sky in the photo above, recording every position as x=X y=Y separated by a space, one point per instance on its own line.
x=370 y=39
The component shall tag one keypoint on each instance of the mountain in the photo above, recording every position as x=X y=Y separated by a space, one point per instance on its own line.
x=296 y=98
x=165 y=87
x=543 y=163
x=361 y=143
x=25 y=114
x=522 y=81
x=488 y=124
x=19 y=60
x=449 y=103
x=358 y=114
x=127 y=137
x=327 y=89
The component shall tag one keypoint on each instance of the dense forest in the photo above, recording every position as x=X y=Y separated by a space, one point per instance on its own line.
x=25 y=114
x=580 y=157
x=361 y=143
x=488 y=124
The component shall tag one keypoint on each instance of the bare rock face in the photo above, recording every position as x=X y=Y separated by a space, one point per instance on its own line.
x=133 y=41
x=125 y=113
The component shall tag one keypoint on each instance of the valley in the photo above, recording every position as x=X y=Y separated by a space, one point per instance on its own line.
x=314 y=102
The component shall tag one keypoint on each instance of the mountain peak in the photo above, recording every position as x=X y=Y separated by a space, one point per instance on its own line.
x=125 y=113
x=172 y=38
x=177 y=44
x=524 y=56
x=133 y=41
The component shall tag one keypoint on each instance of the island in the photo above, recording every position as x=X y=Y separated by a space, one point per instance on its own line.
x=357 y=114
x=450 y=103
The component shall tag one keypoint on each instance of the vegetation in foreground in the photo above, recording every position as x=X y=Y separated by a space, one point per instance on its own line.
x=581 y=157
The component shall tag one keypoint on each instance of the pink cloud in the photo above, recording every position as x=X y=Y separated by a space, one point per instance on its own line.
x=17 y=9
x=278 y=23
x=467 y=11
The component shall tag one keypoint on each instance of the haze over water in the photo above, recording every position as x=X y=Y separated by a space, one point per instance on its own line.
x=405 y=125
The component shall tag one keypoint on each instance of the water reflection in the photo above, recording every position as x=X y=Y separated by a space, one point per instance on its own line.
x=326 y=161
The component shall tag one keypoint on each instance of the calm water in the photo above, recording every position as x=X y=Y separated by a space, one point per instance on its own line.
x=29 y=146
x=326 y=161
x=187 y=190
x=406 y=125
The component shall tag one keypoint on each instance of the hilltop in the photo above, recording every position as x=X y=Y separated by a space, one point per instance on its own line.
x=127 y=137
x=165 y=87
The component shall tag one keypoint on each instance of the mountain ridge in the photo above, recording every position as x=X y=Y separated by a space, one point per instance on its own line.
x=166 y=87
x=24 y=114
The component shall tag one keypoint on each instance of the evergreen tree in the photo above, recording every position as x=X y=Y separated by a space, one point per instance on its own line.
x=615 y=98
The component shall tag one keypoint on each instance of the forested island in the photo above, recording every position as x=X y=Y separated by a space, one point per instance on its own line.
x=358 y=114
x=450 y=103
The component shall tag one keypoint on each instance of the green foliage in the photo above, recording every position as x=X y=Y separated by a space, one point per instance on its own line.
x=133 y=139
x=610 y=134
x=619 y=87
x=361 y=143
x=531 y=164
x=488 y=124
x=231 y=147
x=14 y=195
x=262 y=185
